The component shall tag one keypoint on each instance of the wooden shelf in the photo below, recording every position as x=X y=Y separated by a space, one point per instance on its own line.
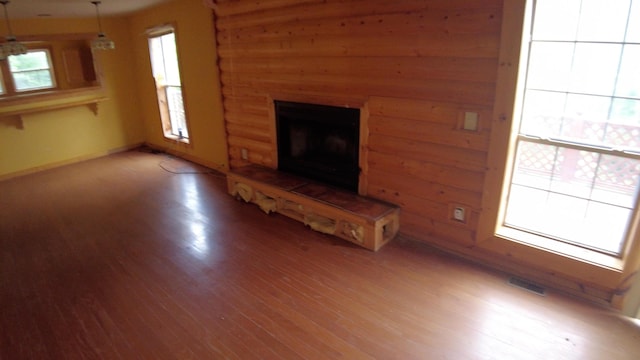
x=18 y=106
x=364 y=221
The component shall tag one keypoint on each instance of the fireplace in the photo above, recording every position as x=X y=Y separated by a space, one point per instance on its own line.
x=319 y=142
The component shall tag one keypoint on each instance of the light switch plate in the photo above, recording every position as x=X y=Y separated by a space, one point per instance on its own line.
x=470 y=121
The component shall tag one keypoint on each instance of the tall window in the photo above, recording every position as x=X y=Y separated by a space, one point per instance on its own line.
x=166 y=72
x=577 y=164
x=2 y=91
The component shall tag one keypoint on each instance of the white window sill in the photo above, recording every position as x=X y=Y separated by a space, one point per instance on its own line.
x=561 y=248
x=177 y=139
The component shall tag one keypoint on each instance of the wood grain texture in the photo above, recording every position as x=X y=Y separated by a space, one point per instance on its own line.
x=118 y=258
x=414 y=67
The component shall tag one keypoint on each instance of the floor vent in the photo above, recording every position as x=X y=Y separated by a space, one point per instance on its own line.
x=527 y=285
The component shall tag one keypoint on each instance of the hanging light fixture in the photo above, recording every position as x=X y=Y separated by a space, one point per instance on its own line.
x=11 y=46
x=102 y=42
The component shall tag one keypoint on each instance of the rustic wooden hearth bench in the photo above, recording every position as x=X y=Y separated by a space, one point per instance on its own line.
x=364 y=221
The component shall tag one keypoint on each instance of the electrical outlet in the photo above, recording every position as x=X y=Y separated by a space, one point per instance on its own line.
x=459 y=213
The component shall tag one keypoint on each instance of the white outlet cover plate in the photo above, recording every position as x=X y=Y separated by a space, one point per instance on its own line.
x=470 y=121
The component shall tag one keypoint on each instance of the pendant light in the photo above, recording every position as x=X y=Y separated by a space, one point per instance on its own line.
x=11 y=46
x=102 y=42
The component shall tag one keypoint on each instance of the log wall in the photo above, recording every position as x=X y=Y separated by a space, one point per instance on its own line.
x=416 y=65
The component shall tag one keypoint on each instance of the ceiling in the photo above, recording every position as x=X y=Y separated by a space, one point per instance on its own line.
x=75 y=8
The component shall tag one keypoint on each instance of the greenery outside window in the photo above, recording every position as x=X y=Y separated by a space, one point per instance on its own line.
x=27 y=73
x=32 y=71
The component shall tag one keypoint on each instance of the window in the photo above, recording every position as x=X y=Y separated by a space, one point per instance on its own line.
x=29 y=72
x=2 y=91
x=57 y=71
x=166 y=72
x=577 y=160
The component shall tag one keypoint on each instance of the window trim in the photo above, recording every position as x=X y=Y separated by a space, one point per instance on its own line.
x=14 y=105
x=585 y=274
x=560 y=245
x=165 y=120
x=525 y=42
x=51 y=70
x=3 y=90
x=539 y=240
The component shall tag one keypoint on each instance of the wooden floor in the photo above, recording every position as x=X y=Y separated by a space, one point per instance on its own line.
x=133 y=257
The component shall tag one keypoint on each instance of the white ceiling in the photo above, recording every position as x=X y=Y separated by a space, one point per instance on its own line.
x=75 y=8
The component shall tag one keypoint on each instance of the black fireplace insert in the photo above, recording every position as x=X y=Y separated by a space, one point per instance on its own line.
x=319 y=142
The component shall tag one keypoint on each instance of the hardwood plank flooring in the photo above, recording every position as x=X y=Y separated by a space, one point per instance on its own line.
x=140 y=256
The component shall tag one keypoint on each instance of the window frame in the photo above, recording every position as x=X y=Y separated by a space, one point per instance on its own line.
x=561 y=141
x=3 y=88
x=161 y=91
x=555 y=242
x=8 y=81
x=582 y=272
x=51 y=69
x=542 y=240
x=70 y=55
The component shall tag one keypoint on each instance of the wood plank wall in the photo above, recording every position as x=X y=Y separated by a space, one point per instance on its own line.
x=417 y=65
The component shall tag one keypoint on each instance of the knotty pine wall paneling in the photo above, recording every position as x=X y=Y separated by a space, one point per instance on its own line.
x=417 y=66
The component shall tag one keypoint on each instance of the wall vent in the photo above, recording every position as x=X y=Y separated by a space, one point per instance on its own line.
x=527 y=285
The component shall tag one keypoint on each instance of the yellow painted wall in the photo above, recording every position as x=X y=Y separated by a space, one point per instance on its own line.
x=130 y=116
x=67 y=135
x=201 y=90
